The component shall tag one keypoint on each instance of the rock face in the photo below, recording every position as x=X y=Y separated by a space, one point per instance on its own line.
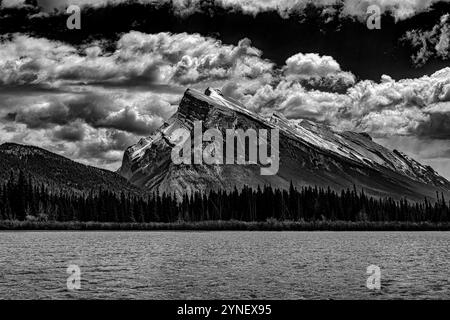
x=310 y=154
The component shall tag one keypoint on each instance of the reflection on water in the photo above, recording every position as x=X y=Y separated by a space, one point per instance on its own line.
x=224 y=265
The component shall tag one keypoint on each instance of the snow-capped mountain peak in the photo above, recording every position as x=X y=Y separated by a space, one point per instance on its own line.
x=310 y=154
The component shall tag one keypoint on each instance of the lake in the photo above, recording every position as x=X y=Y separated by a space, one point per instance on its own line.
x=224 y=265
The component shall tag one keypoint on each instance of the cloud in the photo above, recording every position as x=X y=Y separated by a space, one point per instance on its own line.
x=308 y=85
x=99 y=147
x=400 y=9
x=130 y=120
x=25 y=60
x=138 y=60
x=71 y=91
x=311 y=64
x=228 y=62
x=416 y=107
x=414 y=110
x=96 y=110
x=430 y=43
x=105 y=146
x=438 y=124
x=68 y=92
x=77 y=141
x=89 y=101
x=92 y=127
x=73 y=132
x=317 y=71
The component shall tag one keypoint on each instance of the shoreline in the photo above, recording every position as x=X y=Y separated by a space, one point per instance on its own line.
x=220 y=225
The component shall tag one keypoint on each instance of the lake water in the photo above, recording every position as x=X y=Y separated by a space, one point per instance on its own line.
x=224 y=265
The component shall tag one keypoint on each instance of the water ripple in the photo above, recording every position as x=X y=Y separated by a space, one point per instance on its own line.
x=224 y=265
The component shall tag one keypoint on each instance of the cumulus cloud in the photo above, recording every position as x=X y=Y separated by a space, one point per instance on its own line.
x=139 y=60
x=311 y=64
x=418 y=107
x=317 y=71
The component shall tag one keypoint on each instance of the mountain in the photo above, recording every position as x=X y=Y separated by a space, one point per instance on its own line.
x=57 y=172
x=310 y=154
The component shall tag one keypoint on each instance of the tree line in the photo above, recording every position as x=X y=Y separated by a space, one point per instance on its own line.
x=23 y=199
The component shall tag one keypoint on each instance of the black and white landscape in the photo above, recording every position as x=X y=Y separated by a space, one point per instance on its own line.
x=93 y=95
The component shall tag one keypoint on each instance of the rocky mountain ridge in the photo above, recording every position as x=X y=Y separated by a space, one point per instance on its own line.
x=311 y=154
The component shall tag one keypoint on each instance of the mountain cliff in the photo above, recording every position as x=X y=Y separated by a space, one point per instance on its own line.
x=310 y=154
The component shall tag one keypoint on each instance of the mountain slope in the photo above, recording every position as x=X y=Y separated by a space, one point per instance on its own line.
x=310 y=155
x=57 y=172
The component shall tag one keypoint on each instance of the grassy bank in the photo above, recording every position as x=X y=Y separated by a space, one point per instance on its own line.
x=270 y=225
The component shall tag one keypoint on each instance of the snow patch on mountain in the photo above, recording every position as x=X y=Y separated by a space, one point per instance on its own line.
x=310 y=154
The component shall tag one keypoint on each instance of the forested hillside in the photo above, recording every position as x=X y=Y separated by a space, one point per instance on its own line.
x=23 y=199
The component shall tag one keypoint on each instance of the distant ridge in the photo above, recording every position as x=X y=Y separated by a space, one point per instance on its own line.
x=57 y=172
